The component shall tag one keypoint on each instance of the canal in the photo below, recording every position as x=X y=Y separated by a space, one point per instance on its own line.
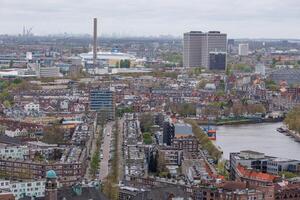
x=257 y=137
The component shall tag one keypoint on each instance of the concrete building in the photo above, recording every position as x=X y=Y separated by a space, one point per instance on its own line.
x=243 y=49
x=260 y=69
x=197 y=46
x=14 y=152
x=171 y=155
x=70 y=167
x=103 y=100
x=260 y=162
x=47 y=72
x=187 y=144
x=20 y=189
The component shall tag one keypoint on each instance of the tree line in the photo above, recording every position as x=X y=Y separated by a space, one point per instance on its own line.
x=292 y=119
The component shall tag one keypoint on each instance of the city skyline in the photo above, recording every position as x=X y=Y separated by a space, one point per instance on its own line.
x=255 y=19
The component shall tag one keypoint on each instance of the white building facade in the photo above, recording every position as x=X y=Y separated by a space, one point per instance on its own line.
x=25 y=188
x=243 y=49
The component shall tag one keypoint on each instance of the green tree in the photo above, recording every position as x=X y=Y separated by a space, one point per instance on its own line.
x=204 y=141
x=7 y=104
x=146 y=122
x=293 y=119
x=147 y=138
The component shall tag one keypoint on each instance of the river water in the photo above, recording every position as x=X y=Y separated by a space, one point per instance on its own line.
x=257 y=137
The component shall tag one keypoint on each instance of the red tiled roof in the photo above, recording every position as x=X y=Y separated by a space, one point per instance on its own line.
x=252 y=174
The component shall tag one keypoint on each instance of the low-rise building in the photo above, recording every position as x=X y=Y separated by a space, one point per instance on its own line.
x=21 y=189
x=14 y=152
x=262 y=163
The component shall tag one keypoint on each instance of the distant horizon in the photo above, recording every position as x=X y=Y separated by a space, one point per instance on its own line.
x=87 y=35
x=239 y=19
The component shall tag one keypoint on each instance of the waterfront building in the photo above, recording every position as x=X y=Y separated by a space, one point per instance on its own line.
x=198 y=45
x=243 y=49
x=253 y=177
x=103 y=101
x=262 y=163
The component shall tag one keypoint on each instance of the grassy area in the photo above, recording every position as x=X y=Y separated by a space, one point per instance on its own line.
x=204 y=141
x=288 y=175
x=147 y=138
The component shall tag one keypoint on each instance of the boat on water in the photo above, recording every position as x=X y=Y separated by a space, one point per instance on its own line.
x=210 y=132
x=282 y=129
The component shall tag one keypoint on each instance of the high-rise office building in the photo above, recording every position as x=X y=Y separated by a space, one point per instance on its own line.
x=168 y=132
x=217 y=61
x=243 y=49
x=230 y=45
x=103 y=101
x=197 y=46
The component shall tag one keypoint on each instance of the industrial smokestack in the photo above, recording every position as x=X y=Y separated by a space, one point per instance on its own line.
x=95 y=44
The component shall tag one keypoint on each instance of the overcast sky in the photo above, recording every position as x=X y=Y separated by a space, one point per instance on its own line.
x=238 y=18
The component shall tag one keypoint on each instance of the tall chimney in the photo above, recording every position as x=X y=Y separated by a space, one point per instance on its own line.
x=95 y=44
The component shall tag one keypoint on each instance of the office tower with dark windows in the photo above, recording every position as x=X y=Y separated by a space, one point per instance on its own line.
x=103 y=101
x=198 y=45
x=168 y=132
x=217 y=61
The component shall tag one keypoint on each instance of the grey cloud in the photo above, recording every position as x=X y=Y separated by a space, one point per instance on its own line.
x=240 y=18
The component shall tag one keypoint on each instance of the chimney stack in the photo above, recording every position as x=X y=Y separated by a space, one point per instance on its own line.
x=95 y=44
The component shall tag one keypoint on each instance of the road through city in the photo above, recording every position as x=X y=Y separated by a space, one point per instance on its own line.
x=107 y=137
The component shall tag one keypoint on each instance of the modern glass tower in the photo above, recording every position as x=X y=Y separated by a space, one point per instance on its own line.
x=103 y=101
